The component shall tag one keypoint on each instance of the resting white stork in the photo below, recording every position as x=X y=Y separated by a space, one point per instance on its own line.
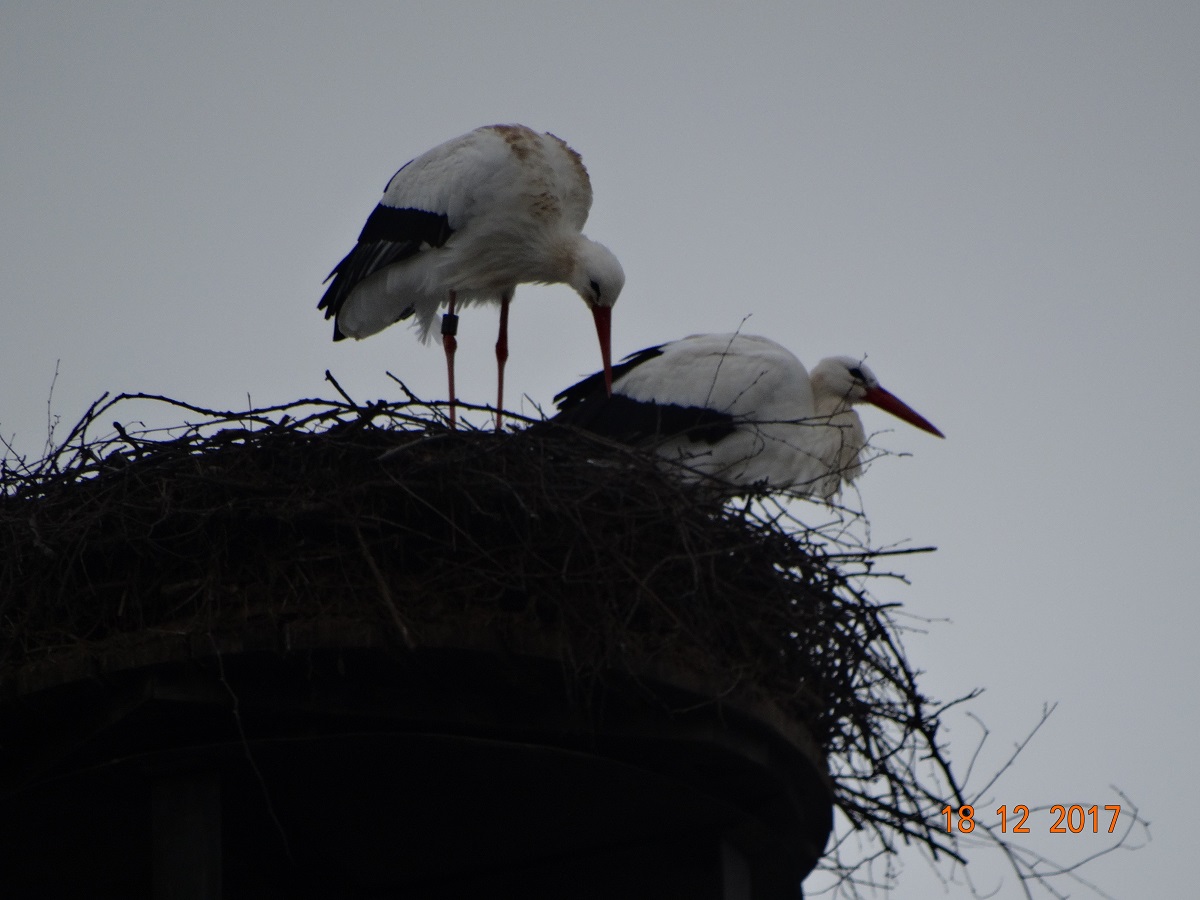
x=741 y=409
x=466 y=222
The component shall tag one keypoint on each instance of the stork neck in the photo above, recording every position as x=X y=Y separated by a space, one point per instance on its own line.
x=828 y=404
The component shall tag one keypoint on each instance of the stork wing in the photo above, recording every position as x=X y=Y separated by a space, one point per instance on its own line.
x=570 y=398
x=390 y=236
x=588 y=406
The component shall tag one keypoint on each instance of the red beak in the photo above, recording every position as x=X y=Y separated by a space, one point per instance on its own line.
x=901 y=410
x=603 y=317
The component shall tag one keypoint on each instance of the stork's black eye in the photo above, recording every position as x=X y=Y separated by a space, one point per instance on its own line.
x=857 y=374
x=595 y=285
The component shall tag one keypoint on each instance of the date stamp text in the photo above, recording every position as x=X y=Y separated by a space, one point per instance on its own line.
x=1073 y=819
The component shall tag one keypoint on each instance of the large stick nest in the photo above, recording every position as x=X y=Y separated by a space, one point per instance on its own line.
x=380 y=514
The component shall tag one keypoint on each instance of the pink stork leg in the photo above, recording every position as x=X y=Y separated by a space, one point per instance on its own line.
x=502 y=357
x=450 y=345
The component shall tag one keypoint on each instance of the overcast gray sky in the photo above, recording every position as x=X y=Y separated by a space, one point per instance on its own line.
x=998 y=202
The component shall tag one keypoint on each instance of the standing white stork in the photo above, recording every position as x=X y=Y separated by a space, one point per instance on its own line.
x=740 y=409
x=466 y=222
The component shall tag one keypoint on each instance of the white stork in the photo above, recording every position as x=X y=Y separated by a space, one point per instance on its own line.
x=740 y=409
x=466 y=222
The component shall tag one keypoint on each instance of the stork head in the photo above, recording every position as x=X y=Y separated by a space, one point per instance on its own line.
x=598 y=278
x=841 y=381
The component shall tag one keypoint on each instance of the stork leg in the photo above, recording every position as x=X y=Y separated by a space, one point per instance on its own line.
x=502 y=357
x=450 y=345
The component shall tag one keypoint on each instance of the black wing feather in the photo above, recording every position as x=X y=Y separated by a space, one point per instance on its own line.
x=587 y=405
x=390 y=235
x=582 y=391
x=639 y=421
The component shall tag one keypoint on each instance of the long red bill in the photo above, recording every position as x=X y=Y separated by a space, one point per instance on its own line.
x=889 y=402
x=603 y=318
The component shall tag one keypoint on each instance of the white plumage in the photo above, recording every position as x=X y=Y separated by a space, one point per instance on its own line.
x=741 y=409
x=465 y=223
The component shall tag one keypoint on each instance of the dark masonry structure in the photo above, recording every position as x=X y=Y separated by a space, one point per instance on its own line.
x=355 y=655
